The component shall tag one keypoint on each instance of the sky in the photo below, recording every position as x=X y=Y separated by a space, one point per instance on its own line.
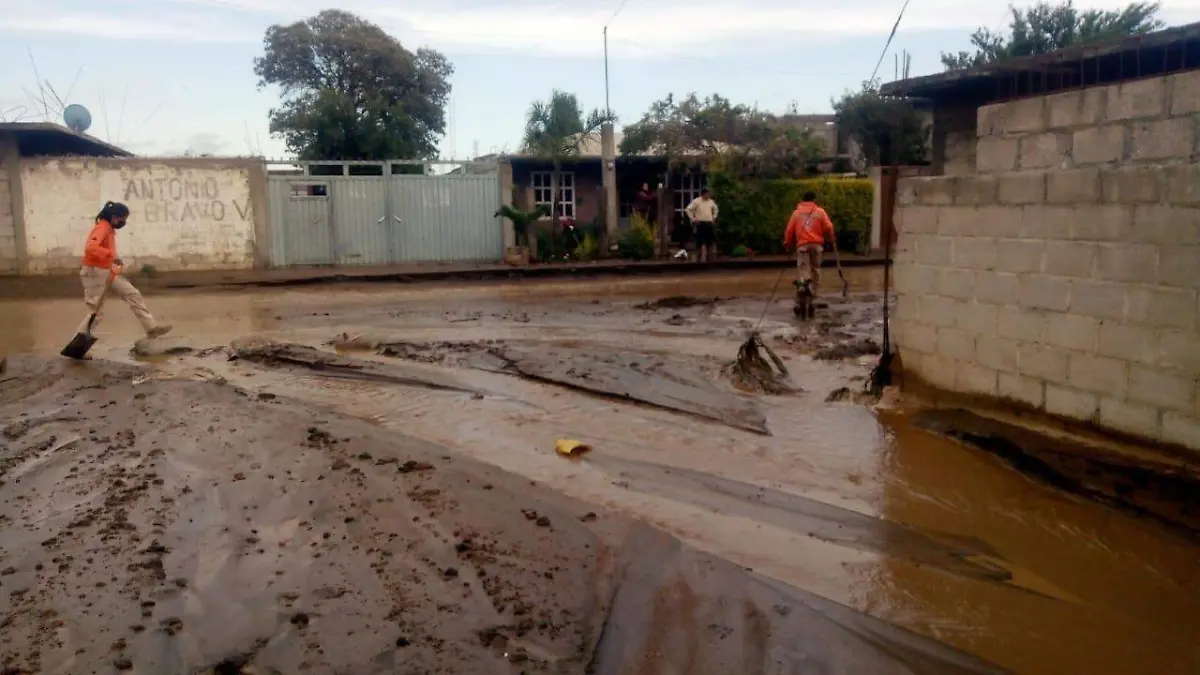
x=164 y=77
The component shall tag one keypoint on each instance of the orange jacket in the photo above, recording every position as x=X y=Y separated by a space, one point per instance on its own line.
x=101 y=247
x=809 y=224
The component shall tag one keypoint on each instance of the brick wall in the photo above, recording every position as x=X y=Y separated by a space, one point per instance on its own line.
x=185 y=214
x=1077 y=290
x=1150 y=121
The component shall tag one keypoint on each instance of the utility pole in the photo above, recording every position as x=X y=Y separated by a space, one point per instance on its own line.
x=607 y=107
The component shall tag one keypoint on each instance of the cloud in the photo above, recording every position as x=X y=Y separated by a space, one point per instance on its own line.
x=550 y=27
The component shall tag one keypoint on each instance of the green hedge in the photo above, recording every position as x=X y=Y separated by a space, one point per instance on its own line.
x=755 y=213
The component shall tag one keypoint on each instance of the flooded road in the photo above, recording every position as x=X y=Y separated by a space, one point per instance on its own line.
x=855 y=505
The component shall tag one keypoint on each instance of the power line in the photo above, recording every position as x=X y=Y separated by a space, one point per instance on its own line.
x=614 y=16
x=888 y=44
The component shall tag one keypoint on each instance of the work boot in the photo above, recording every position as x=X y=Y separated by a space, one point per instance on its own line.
x=159 y=331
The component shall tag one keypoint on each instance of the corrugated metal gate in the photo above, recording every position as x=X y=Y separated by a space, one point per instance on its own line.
x=383 y=219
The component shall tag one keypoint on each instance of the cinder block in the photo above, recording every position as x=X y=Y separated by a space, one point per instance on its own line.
x=1179 y=349
x=1170 y=389
x=997 y=288
x=1069 y=259
x=1179 y=266
x=978 y=318
x=1160 y=307
x=975 y=253
x=1019 y=116
x=1099 y=299
x=977 y=190
x=936 y=190
x=1137 y=99
x=1128 y=262
x=1039 y=291
x=996 y=155
x=1022 y=325
x=1022 y=188
x=1072 y=403
x=1001 y=221
x=997 y=353
x=955 y=221
x=1132 y=184
x=1042 y=361
x=1108 y=222
x=1099 y=374
x=1077 y=108
x=938 y=311
x=1098 y=145
x=1182 y=184
x=918 y=337
x=972 y=378
x=1046 y=222
x=934 y=250
x=1185 y=93
x=1131 y=418
x=917 y=220
x=955 y=283
x=1070 y=331
x=956 y=343
x=1044 y=151
x=1181 y=429
x=1135 y=344
x=1166 y=139
x=1027 y=390
x=1073 y=186
x=939 y=371
x=1166 y=225
x=918 y=279
x=1020 y=255
x=906 y=191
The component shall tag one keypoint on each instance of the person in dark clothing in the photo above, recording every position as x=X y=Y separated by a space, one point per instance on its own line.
x=643 y=202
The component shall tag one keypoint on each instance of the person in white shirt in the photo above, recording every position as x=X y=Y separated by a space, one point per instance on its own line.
x=703 y=213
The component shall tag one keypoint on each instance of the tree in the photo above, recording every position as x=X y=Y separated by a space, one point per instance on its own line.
x=351 y=91
x=888 y=129
x=750 y=142
x=554 y=130
x=1044 y=28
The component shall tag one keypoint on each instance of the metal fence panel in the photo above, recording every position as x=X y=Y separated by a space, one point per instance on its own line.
x=300 y=222
x=446 y=218
x=361 y=220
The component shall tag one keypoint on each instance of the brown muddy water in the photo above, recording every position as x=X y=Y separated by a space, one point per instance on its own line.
x=855 y=505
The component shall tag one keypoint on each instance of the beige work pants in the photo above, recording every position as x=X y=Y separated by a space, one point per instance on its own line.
x=808 y=265
x=93 y=287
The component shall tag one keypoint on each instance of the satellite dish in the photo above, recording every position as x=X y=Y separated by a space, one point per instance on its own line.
x=77 y=118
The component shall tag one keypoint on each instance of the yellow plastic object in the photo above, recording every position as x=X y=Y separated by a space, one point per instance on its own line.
x=569 y=448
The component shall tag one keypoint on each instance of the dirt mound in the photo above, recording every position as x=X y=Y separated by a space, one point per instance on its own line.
x=678 y=302
x=180 y=526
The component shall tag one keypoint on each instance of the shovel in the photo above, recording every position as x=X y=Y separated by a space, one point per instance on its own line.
x=837 y=259
x=79 y=345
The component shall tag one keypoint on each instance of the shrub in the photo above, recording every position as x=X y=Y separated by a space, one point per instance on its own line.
x=755 y=213
x=636 y=243
x=589 y=249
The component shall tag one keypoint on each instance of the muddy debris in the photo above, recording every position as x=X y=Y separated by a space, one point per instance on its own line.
x=678 y=302
x=850 y=349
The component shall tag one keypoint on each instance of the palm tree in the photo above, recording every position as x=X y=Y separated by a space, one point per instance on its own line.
x=554 y=130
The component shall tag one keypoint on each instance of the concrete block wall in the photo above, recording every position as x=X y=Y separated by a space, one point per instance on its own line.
x=1149 y=121
x=9 y=256
x=1076 y=292
x=186 y=214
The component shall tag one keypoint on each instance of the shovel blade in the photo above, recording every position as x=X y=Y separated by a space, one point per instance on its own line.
x=78 y=347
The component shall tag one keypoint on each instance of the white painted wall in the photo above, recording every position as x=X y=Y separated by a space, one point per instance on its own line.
x=184 y=215
x=8 y=229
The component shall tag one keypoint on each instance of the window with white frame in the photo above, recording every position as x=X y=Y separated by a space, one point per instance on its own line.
x=689 y=188
x=566 y=191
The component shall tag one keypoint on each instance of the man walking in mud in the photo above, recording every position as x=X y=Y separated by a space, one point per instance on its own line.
x=807 y=230
x=703 y=213
x=100 y=260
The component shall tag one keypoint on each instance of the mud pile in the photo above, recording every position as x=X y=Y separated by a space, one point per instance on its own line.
x=167 y=526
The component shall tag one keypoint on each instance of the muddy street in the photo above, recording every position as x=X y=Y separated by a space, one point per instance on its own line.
x=293 y=474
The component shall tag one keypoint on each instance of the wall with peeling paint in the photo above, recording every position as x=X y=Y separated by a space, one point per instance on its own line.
x=185 y=214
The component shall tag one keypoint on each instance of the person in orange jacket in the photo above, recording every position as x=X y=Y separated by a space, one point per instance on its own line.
x=100 y=260
x=806 y=232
